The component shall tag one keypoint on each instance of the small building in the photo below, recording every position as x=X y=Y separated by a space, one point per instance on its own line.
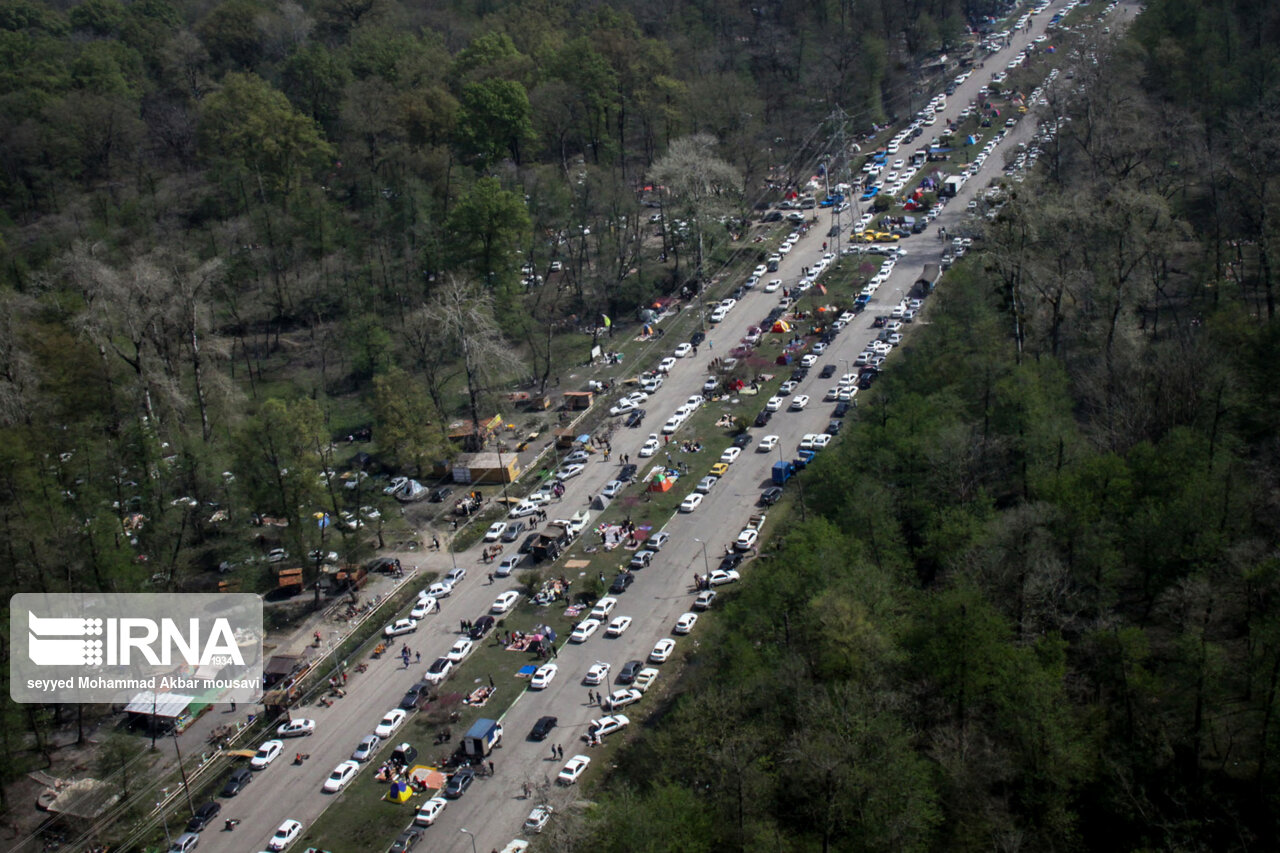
x=472 y=437
x=578 y=401
x=487 y=467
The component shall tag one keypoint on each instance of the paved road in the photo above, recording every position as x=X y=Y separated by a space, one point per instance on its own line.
x=493 y=809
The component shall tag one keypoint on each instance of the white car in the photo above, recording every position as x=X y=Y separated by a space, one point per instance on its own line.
x=720 y=577
x=774 y=404
x=819 y=348
x=809 y=360
x=390 y=722
x=297 y=728
x=662 y=650
x=366 y=748
x=787 y=387
x=460 y=649
x=832 y=394
x=537 y=819
x=618 y=626
x=426 y=604
x=746 y=539
x=505 y=602
x=285 y=835
x=710 y=385
x=730 y=455
x=683 y=350
x=692 y=502
x=706 y=483
x=622 y=407
x=768 y=443
x=438 y=671
x=266 y=754
x=430 y=810
x=613 y=488
x=606 y=726
x=685 y=623
x=341 y=775
x=400 y=626
x=650 y=446
x=621 y=698
x=604 y=607
x=704 y=599
x=495 y=531
x=666 y=364
x=673 y=423
x=773 y=283
x=806 y=440
x=821 y=441
x=573 y=769
x=657 y=540
x=597 y=674
x=440 y=589
x=644 y=679
x=508 y=565
x=583 y=631
x=543 y=676
x=524 y=508
x=799 y=402
x=568 y=472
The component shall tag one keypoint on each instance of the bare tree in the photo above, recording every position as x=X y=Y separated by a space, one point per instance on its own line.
x=698 y=184
x=465 y=312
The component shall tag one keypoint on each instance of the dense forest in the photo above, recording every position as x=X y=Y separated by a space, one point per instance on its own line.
x=1030 y=602
x=233 y=231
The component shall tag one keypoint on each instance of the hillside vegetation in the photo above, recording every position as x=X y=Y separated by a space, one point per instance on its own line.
x=1032 y=601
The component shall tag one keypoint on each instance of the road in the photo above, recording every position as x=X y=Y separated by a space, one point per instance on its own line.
x=493 y=809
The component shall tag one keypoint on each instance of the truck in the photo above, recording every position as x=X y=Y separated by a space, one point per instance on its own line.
x=782 y=472
x=950 y=186
x=928 y=278
x=482 y=737
x=802 y=460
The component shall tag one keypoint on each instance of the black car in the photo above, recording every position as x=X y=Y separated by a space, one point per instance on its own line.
x=770 y=496
x=833 y=231
x=627 y=474
x=459 y=783
x=842 y=409
x=237 y=781
x=204 y=816
x=542 y=728
x=698 y=337
x=799 y=374
x=731 y=561
x=742 y=440
x=772 y=216
x=828 y=370
x=480 y=627
x=737 y=294
x=629 y=671
x=513 y=531
x=417 y=693
x=635 y=418
x=866 y=380
x=833 y=428
x=879 y=322
x=440 y=494
x=763 y=417
x=406 y=841
x=621 y=582
x=527 y=545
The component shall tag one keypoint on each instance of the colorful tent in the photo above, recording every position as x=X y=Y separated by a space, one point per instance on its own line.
x=661 y=482
x=780 y=326
x=399 y=792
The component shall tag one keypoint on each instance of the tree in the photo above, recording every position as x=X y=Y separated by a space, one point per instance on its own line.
x=404 y=422
x=486 y=226
x=465 y=310
x=254 y=128
x=699 y=184
x=495 y=118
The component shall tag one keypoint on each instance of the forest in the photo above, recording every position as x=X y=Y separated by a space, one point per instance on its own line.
x=232 y=232
x=1029 y=602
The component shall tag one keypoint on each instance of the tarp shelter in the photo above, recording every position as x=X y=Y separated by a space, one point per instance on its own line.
x=165 y=705
x=781 y=326
x=565 y=438
x=783 y=359
x=600 y=502
x=84 y=798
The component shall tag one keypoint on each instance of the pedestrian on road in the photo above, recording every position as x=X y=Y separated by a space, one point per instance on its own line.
x=491 y=684
x=553 y=752
x=490 y=768
x=560 y=749
x=418 y=659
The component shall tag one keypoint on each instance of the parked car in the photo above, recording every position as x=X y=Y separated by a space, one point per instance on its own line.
x=204 y=816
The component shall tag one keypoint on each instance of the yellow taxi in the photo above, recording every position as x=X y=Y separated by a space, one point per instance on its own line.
x=719 y=469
